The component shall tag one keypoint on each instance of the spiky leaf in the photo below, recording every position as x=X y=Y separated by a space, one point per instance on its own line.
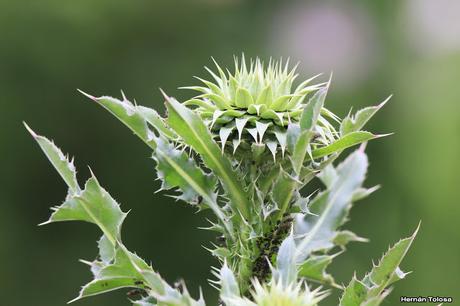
x=387 y=270
x=286 y=266
x=60 y=162
x=122 y=272
x=341 y=144
x=330 y=208
x=301 y=149
x=314 y=268
x=194 y=132
x=312 y=110
x=357 y=122
x=370 y=291
x=155 y=120
x=282 y=191
x=128 y=114
x=93 y=205
x=228 y=284
x=118 y=267
x=354 y=294
x=176 y=169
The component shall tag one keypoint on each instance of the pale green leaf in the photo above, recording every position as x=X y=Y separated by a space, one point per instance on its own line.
x=346 y=141
x=383 y=274
x=176 y=169
x=282 y=191
x=292 y=135
x=371 y=290
x=312 y=110
x=355 y=123
x=300 y=150
x=93 y=205
x=117 y=268
x=128 y=114
x=125 y=271
x=106 y=249
x=228 y=284
x=194 y=132
x=377 y=300
x=354 y=294
x=362 y=193
x=286 y=266
x=314 y=268
x=61 y=163
x=342 y=238
x=330 y=208
x=155 y=120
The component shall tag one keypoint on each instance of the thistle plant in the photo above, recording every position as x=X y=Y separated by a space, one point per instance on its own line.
x=246 y=146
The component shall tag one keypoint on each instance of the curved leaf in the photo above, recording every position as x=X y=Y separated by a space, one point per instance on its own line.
x=286 y=266
x=314 y=268
x=308 y=120
x=282 y=191
x=194 y=132
x=118 y=267
x=312 y=110
x=176 y=169
x=155 y=120
x=61 y=163
x=228 y=284
x=330 y=208
x=93 y=205
x=128 y=114
x=356 y=122
x=346 y=141
x=371 y=290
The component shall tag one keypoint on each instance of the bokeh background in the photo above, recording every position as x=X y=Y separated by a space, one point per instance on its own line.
x=49 y=48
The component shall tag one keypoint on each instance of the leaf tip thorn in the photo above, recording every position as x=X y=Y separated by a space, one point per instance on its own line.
x=87 y=95
x=44 y=223
x=382 y=104
x=164 y=93
x=383 y=135
x=417 y=229
x=34 y=135
x=74 y=300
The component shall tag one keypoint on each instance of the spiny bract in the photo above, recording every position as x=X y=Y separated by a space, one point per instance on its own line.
x=276 y=294
x=254 y=105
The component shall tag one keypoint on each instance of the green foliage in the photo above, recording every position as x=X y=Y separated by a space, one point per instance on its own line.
x=371 y=290
x=246 y=147
x=195 y=134
x=116 y=267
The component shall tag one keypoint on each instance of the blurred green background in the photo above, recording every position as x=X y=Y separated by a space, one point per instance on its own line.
x=49 y=48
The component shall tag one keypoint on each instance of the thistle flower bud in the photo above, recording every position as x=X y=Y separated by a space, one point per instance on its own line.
x=253 y=107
